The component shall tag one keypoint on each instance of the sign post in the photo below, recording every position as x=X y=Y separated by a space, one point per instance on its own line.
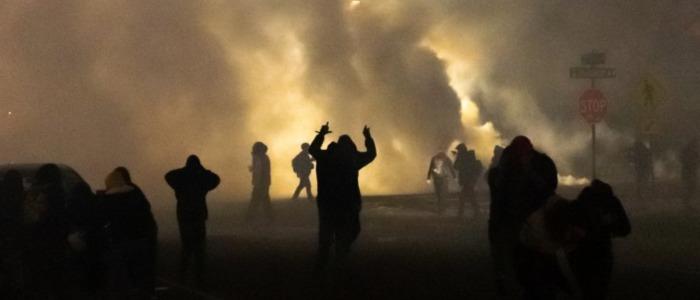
x=592 y=104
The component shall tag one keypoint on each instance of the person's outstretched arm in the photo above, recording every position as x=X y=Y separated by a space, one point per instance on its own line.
x=368 y=156
x=315 y=147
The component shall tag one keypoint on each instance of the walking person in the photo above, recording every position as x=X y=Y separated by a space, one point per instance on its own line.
x=302 y=164
x=339 y=199
x=689 y=172
x=191 y=185
x=440 y=171
x=521 y=184
x=470 y=170
x=261 y=180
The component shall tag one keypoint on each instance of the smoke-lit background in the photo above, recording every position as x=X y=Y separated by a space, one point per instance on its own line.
x=97 y=84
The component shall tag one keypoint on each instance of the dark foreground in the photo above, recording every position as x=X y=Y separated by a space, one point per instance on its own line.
x=406 y=251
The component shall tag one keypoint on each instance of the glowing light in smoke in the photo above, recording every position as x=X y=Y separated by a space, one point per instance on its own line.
x=354 y=4
x=569 y=180
x=462 y=73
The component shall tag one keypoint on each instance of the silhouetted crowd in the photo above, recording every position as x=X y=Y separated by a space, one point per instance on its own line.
x=66 y=242
x=74 y=244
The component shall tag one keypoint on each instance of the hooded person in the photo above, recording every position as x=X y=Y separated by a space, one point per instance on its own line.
x=126 y=215
x=261 y=180
x=302 y=164
x=521 y=184
x=191 y=185
x=601 y=216
x=440 y=171
x=339 y=199
x=470 y=170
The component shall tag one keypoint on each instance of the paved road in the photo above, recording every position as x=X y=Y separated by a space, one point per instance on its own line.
x=406 y=251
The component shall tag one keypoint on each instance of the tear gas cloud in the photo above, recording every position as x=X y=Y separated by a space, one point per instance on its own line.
x=97 y=84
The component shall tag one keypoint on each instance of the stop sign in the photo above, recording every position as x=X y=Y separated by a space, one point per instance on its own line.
x=592 y=105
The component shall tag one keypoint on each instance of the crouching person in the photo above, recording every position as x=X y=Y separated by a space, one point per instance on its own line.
x=132 y=236
x=601 y=216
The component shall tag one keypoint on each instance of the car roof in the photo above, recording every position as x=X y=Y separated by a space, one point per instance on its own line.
x=29 y=167
x=28 y=170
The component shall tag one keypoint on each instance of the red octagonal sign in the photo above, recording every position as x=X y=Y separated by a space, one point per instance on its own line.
x=593 y=106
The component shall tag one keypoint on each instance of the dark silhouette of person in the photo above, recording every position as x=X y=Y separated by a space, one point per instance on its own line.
x=601 y=216
x=339 y=199
x=496 y=158
x=11 y=235
x=47 y=232
x=643 y=168
x=260 y=171
x=470 y=170
x=151 y=251
x=302 y=164
x=689 y=172
x=86 y=240
x=519 y=186
x=131 y=231
x=498 y=245
x=440 y=171
x=191 y=185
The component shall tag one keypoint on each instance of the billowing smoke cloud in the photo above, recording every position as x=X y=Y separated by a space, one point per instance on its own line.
x=98 y=84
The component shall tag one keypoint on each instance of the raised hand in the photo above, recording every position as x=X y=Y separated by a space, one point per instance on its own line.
x=324 y=129
x=366 y=132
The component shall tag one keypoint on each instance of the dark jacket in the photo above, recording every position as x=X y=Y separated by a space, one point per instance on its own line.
x=191 y=185
x=468 y=166
x=601 y=215
x=337 y=172
x=517 y=191
x=126 y=214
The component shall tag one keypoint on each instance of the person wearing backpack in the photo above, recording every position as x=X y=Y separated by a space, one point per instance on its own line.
x=302 y=164
x=470 y=170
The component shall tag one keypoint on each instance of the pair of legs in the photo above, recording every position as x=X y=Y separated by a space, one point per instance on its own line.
x=304 y=183
x=538 y=274
x=132 y=268
x=339 y=228
x=503 y=240
x=193 y=237
x=468 y=194
x=260 y=199
x=593 y=272
x=441 y=191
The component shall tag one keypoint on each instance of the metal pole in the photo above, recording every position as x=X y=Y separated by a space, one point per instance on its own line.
x=593 y=164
